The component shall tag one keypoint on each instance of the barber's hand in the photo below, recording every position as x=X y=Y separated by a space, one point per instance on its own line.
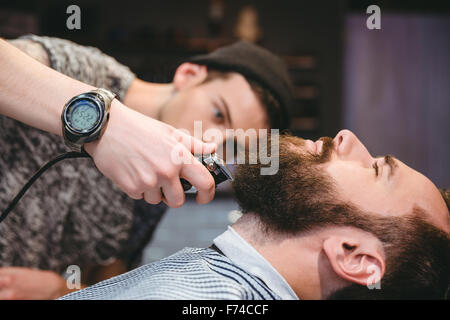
x=30 y=284
x=136 y=153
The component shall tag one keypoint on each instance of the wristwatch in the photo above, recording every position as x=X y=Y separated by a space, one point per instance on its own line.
x=85 y=116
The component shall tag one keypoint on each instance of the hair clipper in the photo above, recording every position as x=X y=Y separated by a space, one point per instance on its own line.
x=216 y=166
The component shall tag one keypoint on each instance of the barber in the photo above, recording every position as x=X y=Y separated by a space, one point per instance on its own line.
x=138 y=161
x=76 y=216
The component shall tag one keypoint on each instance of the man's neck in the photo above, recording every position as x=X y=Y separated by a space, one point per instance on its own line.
x=148 y=98
x=295 y=259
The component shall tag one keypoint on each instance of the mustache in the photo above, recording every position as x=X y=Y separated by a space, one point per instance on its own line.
x=327 y=150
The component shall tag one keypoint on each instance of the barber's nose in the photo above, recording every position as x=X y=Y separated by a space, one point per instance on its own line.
x=348 y=147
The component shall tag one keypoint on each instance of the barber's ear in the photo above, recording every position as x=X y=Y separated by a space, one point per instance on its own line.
x=354 y=260
x=188 y=75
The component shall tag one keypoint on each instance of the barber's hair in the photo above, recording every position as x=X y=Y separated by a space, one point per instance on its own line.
x=271 y=105
x=301 y=198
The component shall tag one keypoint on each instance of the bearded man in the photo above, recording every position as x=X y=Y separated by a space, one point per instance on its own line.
x=332 y=223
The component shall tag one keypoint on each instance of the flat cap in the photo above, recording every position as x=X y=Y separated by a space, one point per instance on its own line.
x=257 y=64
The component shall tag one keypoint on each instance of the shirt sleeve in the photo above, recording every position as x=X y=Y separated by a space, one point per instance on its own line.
x=86 y=64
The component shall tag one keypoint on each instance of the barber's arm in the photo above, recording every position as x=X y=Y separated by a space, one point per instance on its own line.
x=91 y=66
x=84 y=63
x=135 y=151
x=33 y=49
x=19 y=283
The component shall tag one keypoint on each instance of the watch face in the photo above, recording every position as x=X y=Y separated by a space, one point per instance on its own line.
x=83 y=115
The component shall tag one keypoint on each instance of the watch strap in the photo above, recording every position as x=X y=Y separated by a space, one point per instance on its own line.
x=106 y=95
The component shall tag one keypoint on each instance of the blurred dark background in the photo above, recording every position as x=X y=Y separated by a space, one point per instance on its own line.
x=390 y=86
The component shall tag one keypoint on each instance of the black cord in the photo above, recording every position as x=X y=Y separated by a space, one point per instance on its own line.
x=67 y=155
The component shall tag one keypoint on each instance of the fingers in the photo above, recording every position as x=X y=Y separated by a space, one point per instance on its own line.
x=173 y=193
x=135 y=196
x=129 y=188
x=164 y=184
x=194 y=145
x=201 y=179
x=193 y=171
x=153 y=195
x=161 y=181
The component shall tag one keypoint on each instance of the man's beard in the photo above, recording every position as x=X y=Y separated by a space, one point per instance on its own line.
x=299 y=184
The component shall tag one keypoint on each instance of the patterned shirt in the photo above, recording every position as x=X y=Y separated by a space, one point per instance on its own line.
x=72 y=214
x=197 y=274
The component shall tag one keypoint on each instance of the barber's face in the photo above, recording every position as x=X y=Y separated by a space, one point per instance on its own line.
x=221 y=103
x=383 y=185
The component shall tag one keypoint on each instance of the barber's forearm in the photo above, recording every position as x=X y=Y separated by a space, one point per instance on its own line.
x=83 y=63
x=33 y=49
x=33 y=93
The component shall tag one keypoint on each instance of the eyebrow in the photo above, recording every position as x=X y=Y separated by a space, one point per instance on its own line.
x=391 y=161
x=227 y=109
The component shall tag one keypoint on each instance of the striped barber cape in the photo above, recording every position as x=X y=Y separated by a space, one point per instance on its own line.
x=192 y=273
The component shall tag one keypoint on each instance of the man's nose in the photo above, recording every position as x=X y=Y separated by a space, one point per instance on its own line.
x=348 y=147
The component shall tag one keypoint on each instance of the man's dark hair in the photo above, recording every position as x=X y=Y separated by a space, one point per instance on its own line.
x=301 y=197
x=260 y=67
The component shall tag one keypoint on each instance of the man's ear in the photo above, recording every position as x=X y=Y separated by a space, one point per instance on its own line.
x=356 y=259
x=188 y=75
